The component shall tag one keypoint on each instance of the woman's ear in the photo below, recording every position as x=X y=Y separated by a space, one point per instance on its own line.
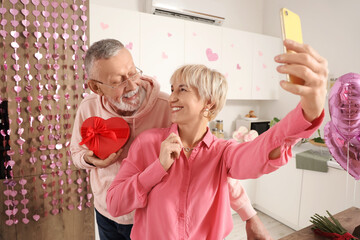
x=95 y=88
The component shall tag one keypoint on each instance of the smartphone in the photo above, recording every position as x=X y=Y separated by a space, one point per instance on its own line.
x=291 y=29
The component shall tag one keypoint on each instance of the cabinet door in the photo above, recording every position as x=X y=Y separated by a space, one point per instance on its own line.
x=119 y=24
x=203 y=44
x=162 y=47
x=265 y=77
x=332 y=191
x=237 y=53
x=278 y=194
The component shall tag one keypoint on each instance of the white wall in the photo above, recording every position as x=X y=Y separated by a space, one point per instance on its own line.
x=331 y=27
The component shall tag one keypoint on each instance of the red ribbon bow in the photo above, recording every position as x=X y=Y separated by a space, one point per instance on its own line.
x=335 y=236
x=92 y=134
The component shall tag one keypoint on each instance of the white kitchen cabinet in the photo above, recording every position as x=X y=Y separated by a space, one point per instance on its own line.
x=162 y=47
x=116 y=23
x=265 y=78
x=325 y=191
x=203 y=44
x=278 y=194
x=292 y=196
x=237 y=53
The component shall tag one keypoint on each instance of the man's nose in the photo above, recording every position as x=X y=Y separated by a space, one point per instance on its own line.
x=131 y=84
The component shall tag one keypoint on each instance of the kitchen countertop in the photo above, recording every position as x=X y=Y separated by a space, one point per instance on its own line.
x=301 y=147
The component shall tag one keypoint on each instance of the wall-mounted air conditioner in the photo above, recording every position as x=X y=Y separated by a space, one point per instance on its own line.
x=185 y=9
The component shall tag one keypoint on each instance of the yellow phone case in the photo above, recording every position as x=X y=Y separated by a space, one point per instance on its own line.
x=291 y=29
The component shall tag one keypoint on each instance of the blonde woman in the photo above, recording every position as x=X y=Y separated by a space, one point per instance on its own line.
x=176 y=177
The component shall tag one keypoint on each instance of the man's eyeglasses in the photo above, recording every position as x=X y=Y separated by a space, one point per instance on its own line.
x=133 y=77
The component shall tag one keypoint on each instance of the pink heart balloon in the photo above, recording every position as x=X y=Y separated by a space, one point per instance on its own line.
x=342 y=132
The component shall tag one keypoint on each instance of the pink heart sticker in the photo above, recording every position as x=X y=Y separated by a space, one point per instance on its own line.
x=260 y=53
x=25 y=2
x=83 y=28
x=211 y=56
x=264 y=65
x=169 y=34
x=238 y=67
x=104 y=25
x=258 y=88
x=24 y=201
x=164 y=56
x=74 y=7
x=129 y=46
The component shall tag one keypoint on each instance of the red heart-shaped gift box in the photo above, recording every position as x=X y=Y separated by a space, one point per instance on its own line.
x=104 y=137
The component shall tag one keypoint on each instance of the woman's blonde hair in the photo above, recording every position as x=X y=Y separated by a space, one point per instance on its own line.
x=211 y=85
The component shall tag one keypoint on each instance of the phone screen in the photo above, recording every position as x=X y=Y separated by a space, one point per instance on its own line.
x=291 y=29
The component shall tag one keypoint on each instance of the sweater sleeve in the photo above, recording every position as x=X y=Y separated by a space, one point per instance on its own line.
x=251 y=159
x=134 y=181
x=78 y=151
x=239 y=200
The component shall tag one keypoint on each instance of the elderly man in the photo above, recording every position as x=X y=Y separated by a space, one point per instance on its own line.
x=122 y=91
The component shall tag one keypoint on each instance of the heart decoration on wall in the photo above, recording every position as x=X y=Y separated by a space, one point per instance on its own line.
x=211 y=56
x=342 y=132
x=104 y=137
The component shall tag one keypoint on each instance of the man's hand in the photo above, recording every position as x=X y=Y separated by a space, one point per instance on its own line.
x=255 y=230
x=91 y=159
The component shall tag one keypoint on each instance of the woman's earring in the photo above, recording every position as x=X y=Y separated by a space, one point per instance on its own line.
x=206 y=113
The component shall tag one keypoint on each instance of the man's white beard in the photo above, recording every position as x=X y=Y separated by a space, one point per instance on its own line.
x=133 y=105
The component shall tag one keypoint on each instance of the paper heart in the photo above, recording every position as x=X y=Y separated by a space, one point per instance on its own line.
x=9 y=222
x=36 y=217
x=3 y=33
x=211 y=56
x=2 y=10
x=74 y=17
x=238 y=67
x=64 y=15
x=129 y=46
x=83 y=18
x=25 y=12
x=83 y=8
x=25 y=220
x=104 y=137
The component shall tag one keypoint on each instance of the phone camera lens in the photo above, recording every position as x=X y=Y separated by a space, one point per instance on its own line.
x=286 y=13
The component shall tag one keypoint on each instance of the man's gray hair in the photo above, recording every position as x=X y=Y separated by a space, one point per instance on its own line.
x=103 y=49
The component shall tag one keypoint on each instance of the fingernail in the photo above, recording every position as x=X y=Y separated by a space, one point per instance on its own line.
x=277 y=58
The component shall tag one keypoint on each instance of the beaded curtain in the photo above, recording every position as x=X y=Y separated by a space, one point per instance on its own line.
x=42 y=81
